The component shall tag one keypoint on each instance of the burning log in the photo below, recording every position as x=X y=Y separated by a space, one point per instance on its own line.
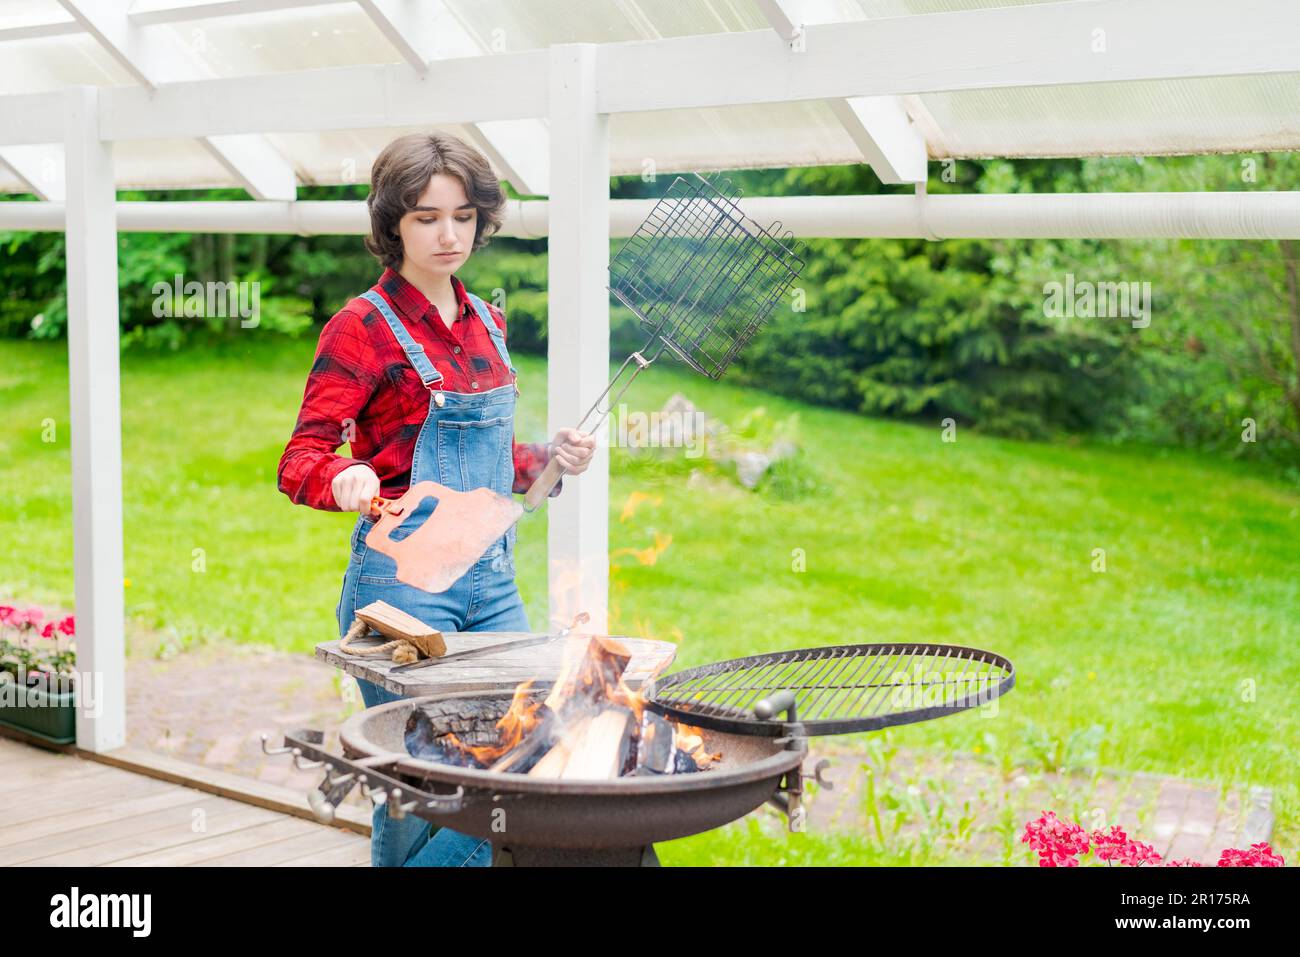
x=654 y=751
x=522 y=758
x=446 y=731
x=591 y=726
x=602 y=750
x=595 y=680
x=594 y=747
x=591 y=683
x=552 y=765
x=690 y=754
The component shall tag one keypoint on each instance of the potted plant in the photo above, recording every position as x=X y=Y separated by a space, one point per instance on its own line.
x=37 y=674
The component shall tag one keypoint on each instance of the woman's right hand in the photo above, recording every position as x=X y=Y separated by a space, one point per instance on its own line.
x=354 y=487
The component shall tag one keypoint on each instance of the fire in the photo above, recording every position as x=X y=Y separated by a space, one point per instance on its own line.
x=649 y=555
x=634 y=500
x=691 y=740
x=514 y=726
x=579 y=721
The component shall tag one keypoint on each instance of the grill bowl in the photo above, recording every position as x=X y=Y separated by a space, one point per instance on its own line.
x=624 y=812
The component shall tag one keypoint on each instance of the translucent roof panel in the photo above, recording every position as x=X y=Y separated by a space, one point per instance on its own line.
x=278 y=41
x=734 y=137
x=1205 y=115
x=31 y=13
x=42 y=48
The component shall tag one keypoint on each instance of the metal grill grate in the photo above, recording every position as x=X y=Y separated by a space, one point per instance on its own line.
x=837 y=690
x=701 y=275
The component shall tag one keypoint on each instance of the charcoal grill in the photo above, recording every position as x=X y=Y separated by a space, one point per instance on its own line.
x=757 y=711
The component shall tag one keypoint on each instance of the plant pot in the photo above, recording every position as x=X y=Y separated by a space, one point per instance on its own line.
x=51 y=717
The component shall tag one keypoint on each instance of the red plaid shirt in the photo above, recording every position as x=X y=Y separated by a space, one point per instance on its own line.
x=361 y=376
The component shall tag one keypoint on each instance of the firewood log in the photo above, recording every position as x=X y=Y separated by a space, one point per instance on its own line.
x=588 y=680
x=602 y=749
x=553 y=763
x=654 y=749
x=580 y=689
x=397 y=624
x=523 y=756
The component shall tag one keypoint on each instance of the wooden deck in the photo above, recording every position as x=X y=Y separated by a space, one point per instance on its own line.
x=59 y=809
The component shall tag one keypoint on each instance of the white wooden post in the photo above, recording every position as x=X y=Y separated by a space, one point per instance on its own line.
x=578 y=331
x=96 y=426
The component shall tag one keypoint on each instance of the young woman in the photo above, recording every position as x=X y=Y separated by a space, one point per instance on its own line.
x=415 y=375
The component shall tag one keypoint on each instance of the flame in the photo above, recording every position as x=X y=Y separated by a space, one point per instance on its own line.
x=649 y=555
x=691 y=740
x=596 y=685
x=634 y=500
x=514 y=725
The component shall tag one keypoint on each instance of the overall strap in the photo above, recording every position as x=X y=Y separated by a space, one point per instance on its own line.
x=498 y=337
x=414 y=351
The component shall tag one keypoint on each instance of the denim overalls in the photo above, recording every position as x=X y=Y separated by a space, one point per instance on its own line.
x=465 y=443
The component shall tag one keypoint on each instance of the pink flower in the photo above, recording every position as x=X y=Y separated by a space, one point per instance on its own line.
x=48 y=630
x=68 y=626
x=1259 y=855
x=6 y=614
x=1135 y=853
x=1056 y=841
x=1109 y=844
x=1057 y=858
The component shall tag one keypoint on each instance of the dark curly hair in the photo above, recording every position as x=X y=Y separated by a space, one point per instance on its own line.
x=402 y=171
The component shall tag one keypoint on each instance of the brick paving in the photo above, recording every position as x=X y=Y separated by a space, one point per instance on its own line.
x=1179 y=818
x=210 y=703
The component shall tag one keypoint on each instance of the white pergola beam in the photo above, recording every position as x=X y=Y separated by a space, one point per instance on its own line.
x=40 y=167
x=784 y=17
x=404 y=28
x=247 y=157
x=253 y=160
x=886 y=135
x=1015 y=47
x=520 y=149
x=1222 y=215
x=338 y=98
x=878 y=125
x=1022 y=46
x=95 y=428
x=31 y=119
x=107 y=21
x=578 y=332
x=517 y=148
x=36 y=31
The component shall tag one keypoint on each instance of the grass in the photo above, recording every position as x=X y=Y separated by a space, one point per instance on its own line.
x=1182 y=656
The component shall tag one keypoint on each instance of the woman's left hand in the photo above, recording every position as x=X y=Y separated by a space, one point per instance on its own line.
x=573 y=450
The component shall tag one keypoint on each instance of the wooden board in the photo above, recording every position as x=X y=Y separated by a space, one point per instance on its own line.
x=112 y=816
x=508 y=668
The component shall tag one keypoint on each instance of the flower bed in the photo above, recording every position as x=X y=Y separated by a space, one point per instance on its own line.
x=1061 y=843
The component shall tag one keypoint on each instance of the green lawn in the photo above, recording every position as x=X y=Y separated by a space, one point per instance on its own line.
x=1185 y=651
